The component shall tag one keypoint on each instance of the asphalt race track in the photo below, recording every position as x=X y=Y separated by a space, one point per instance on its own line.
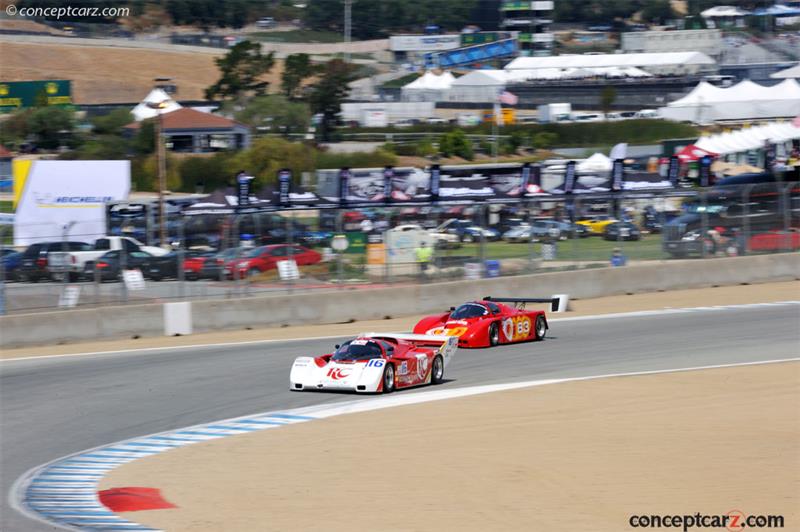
x=57 y=406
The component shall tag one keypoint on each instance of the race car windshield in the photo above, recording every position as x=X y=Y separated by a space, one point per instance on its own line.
x=357 y=350
x=468 y=310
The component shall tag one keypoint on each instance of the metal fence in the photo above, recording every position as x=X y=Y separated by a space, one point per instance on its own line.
x=234 y=256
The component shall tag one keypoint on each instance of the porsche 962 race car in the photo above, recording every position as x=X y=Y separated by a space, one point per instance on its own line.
x=490 y=322
x=376 y=363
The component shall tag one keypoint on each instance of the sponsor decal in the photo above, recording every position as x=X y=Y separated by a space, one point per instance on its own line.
x=422 y=366
x=51 y=200
x=403 y=369
x=375 y=363
x=338 y=373
x=516 y=328
x=447 y=331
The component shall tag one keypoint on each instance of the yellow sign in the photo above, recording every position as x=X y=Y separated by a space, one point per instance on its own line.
x=376 y=253
x=51 y=88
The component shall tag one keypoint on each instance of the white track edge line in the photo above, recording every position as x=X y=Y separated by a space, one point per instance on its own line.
x=634 y=314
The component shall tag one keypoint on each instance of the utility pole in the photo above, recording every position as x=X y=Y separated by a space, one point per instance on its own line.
x=348 y=28
x=162 y=179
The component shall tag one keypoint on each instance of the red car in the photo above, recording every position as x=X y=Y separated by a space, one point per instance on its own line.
x=490 y=322
x=775 y=240
x=265 y=258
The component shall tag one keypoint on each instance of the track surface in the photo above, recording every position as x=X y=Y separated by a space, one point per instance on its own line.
x=53 y=407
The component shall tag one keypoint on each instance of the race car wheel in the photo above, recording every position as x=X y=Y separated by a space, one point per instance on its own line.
x=494 y=334
x=437 y=372
x=388 y=379
x=252 y=272
x=540 y=328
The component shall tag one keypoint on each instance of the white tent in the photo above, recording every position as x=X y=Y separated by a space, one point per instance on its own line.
x=744 y=101
x=792 y=72
x=478 y=86
x=752 y=138
x=429 y=87
x=723 y=11
x=595 y=164
x=143 y=112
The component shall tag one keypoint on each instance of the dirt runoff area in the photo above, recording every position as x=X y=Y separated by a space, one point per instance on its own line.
x=721 y=295
x=579 y=456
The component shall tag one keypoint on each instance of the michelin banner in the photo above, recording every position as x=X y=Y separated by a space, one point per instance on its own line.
x=58 y=196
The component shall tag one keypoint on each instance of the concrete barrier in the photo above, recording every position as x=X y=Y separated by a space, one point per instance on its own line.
x=345 y=305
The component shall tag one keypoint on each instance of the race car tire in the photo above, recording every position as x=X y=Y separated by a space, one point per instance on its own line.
x=494 y=334
x=252 y=272
x=540 y=328
x=467 y=238
x=437 y=371
x=388 y=379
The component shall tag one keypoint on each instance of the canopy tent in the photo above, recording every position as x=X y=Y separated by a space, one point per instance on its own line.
x=596 y=163
x=791 y=72
x=692 y=153
x=752 y=138
x=723 y=11
x=142 y=111
x=428 y=87
x=478 y=86
x=744 y=101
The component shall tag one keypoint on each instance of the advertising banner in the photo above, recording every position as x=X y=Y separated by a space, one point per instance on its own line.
x=673 y=171
x=24 y=94
x=569 y=178
x=436 y=177
x=705 y=170
x=243 y=182
x=424 y=43
x=284 y=186
x=617 y=174
x=71 y=196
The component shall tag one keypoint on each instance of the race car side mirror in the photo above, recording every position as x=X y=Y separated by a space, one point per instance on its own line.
x=336 y=346
x=452 y=309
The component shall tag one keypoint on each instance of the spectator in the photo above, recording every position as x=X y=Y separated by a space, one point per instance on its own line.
x=424 y=254
x=618 y=258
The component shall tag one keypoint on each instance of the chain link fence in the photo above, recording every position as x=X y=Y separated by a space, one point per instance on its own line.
x=233 y=256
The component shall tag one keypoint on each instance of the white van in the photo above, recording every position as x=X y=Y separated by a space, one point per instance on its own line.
x=647 y=113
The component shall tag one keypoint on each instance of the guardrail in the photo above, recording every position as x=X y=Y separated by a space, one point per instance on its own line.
x=337 y=306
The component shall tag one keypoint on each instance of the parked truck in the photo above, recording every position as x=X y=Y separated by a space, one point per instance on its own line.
x=554 y=112
x=72 y=263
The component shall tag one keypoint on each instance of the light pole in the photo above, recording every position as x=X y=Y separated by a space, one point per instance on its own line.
x=162 y=169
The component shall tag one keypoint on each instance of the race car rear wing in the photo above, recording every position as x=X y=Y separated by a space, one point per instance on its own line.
x=446 y=345
x=554 y=301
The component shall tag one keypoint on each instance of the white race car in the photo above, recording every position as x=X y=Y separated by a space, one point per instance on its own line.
x=376 y=363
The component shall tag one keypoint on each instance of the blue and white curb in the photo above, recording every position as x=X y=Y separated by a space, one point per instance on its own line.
x=64 y=492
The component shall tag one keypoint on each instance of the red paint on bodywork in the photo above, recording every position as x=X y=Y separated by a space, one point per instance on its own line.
x=133 y=499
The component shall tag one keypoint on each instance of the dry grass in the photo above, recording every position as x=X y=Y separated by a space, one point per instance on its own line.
x=113 y=75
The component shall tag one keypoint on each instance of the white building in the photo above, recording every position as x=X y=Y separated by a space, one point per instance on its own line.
x=667 y=63
x=707 y=41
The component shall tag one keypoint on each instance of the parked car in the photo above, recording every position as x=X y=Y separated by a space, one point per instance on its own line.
x=596 y=224
x=73 y=261
x=109 y=266
x=12 y=259
x=441 y=240
x=622 y=231
x=519 y=234
x=265 y=258
x=196 y=265
x=34 y=265
x=468 y=231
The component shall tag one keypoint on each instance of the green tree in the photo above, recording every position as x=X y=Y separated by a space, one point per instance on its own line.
x=329 y=92
x=277 y=113
x=145 y=139
x=657 y=11
x=297 y=68
x=111 y=123
x=455 y=142
x=52 y=126
x=544 y=140
x=607 y=98
x=267 y=155
x=241 y=70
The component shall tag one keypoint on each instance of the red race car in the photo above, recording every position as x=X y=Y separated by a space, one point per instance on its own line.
x=265 y=258
x=490 y=322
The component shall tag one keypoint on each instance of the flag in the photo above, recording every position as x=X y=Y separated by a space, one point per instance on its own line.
x=507 y=98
